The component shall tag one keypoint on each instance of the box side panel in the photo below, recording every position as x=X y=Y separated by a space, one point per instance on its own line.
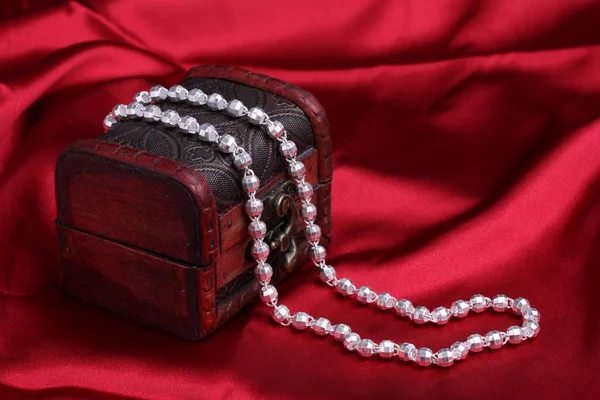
x=145 y=287
x=137 y=199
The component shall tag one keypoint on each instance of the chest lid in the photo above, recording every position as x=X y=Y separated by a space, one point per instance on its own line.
x=152 y=188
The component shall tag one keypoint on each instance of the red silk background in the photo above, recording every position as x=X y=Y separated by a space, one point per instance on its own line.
x=466 y=146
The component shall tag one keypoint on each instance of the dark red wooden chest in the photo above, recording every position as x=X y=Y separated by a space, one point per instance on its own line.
x=151 y=223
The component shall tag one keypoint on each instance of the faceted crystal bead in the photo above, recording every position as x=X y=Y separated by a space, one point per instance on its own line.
x=158 y=93
x=268 y=293
x=257 y=229
x=193 y=127
x=185 y=123
x=250 y=183
x=109 y=121
x=365 y=295
x=494 y=340
x=520 y=305
x=197 y=97
x=424 y=356
x=327 y=273
x=152 y=113
x=305 y=191
x=235 y=108
x=515 y=334
x=216 y=102
x=275 y=129
x=460 y=351
x=301 y=320
x=263 y=272
x=407 y=352
x=339 y=331
x=445 y=358
x=297 y=170
x=260 y=251
x=531 y=329
x=322 y=327
x=385 y=301
x=500 y=302
x=460 y=308
x=142 y=97
x=476 y=343
x=366 y=347
x=256 y=116
x=404 y=308
x=281 y=314
x=308 y=211
x=532 y=314
x=478 y=303
x=312 y=233
x=119 y=112
x=421 y=315
x=242 y=159
x=317 y=253
x=345 y=287
x=387 y=349
x=170 y=118
x=351 y=341
x=288 y=149
x=135 y=110
x=227 y=144
x=177 y=93
x=440 y=315
x=208 y=133
x=254 y=207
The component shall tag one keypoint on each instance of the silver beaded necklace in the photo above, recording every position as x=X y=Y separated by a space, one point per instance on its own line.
x=146 y=106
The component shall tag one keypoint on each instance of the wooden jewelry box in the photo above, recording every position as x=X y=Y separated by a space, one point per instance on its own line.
x=151 y=222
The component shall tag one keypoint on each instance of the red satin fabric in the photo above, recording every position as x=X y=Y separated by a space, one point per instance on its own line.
x=467 y=159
